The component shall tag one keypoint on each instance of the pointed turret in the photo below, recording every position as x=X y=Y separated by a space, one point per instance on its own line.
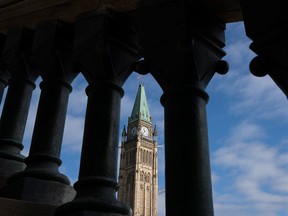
x=140 y=109
x=155 y=134
x=124 y=135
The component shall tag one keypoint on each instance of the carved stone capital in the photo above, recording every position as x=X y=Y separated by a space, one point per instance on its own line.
x=53 y=50
x=16 y=55
x=105 y=47
x=174 y=45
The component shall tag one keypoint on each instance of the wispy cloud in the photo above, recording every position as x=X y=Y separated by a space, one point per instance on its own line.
x=73 y=134
x=246 y=95
x=246 y=131
x=250 y=162
x=126 y=107
x=252 y=172
x=31 y=118
x=259 y=98
x=77 y=102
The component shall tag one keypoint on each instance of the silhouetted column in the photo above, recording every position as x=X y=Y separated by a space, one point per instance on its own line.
x=187 y=151
x=98 y=168
x=104 y=58
x=41 y=180
x=183 y=54
x=16 y=56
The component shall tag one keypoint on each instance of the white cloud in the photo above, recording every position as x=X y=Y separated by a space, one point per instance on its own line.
x=252 y=97
x=75 y=119
x=77 y=102
x=126 y=107
x=73 y=133
x=214 y=177
x=251 y=164
x=259 y=97
x=253 y=174
x=31 y=119
x=246 y=131
x=238 y=50
x=247 y=96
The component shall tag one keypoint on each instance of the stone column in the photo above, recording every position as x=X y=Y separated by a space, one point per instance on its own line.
x=104 y=58
x=16 y=57
x=97 y=182
x=183 y=54
x=41 y=180
x=187 y=152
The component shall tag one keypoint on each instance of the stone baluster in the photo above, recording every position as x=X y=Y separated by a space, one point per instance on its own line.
x=41 y=180
x=16 y=56
x=104 y=51
x=183 y=53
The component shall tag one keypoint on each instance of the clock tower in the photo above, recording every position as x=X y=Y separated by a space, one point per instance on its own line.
x=138 y=175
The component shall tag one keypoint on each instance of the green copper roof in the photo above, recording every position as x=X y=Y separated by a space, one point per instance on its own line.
x=140 y=108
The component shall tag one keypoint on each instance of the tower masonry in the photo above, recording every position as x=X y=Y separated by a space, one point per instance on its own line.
x=138 y=175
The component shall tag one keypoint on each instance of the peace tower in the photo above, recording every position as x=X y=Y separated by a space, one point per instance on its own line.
x=138 y=175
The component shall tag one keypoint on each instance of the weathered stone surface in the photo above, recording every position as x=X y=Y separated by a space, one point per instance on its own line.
x=43 y=191
x=24 y=208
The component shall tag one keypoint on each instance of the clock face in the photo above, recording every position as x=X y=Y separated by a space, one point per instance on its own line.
x=144 y=131
x=134 y=131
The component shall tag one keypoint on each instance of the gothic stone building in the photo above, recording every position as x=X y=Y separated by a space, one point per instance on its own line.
x=138 y=175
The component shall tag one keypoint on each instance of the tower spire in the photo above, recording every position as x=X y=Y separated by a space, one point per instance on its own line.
x=124 y=133
x=140 y=109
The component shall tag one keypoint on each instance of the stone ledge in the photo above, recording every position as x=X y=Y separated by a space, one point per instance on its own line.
x=29 y=13
x=12 y=207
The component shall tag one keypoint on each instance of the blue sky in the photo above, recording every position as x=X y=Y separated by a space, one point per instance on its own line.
x=247 y=122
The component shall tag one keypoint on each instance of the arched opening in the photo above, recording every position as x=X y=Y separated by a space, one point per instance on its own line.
x=74 y=128
x=153 y=94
